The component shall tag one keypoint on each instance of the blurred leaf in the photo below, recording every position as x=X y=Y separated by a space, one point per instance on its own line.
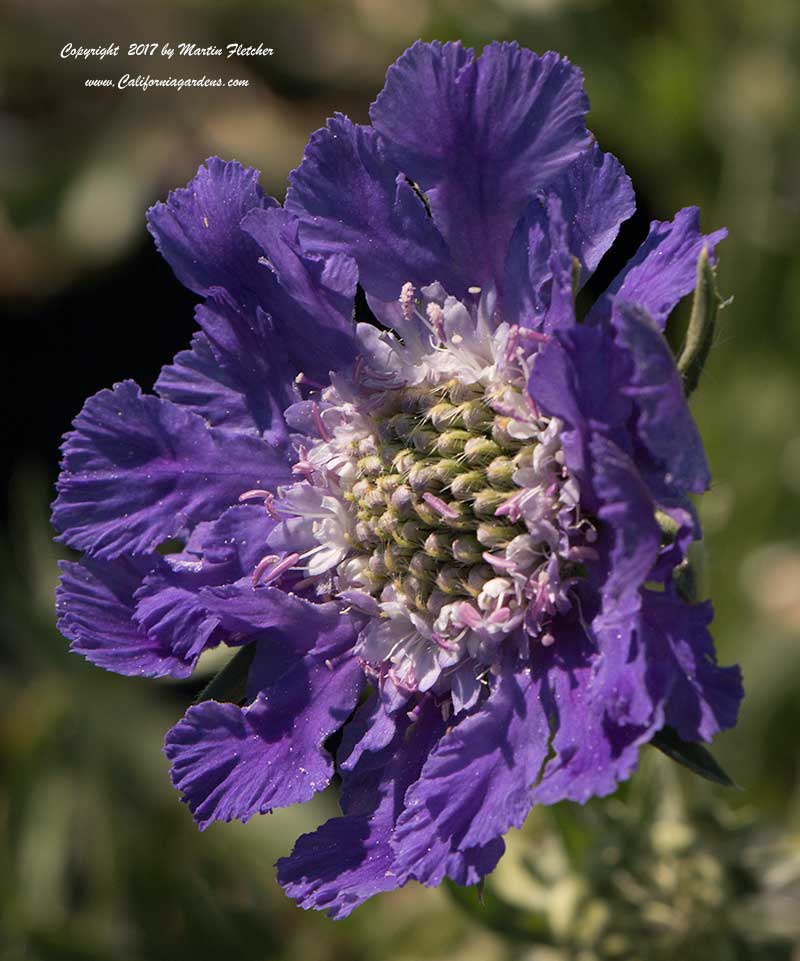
x=691 y=755
x=230 y=683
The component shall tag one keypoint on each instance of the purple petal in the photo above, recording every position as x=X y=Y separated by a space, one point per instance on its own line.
x=704 y=698
x=479 y=137
x=95 y=609
x=237 y=537
x=628 y=515
x=475 y=785
x=663 y=422
x=596 y=197
x=579 y=217
x=579 y=377
x=231 y=762
x=601 y=713
x=349 y=859
x=311 y=305
x=609 y=698
x=664 y=269
x=197 y=229
x=237 y=374
x=138 y=470
x=285 y=627
x=349 y=199
x=538 y=271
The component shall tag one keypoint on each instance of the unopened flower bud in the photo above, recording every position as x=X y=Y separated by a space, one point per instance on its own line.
x=423 y=439
x=448 y=580
x=444 y=416
x=475 y=415
x=478 y=575
x=438 y=545
x=487 y=501
x=396 y=559
x=374 y=500
x=466 y=549
x=370 y=466
x=492 y=534
x=423 y=477
x=480 y=450
x=403 y=460
x=501 y=435
x=446 y=469
x=401 y=500
x=500 y=473
x=452 y=442
x=466 y=484
x=421 y=564
x=377 y=564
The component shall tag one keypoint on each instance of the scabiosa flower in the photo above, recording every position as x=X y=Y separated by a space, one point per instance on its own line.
x=450 y=534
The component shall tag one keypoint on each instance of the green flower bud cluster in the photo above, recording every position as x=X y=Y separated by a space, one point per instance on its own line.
x=448 y=444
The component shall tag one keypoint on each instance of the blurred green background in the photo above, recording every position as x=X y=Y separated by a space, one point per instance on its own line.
x=98 y=860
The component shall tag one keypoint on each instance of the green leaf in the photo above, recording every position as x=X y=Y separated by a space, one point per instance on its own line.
x=230 y=683
x=692 y=755
x=702 y=322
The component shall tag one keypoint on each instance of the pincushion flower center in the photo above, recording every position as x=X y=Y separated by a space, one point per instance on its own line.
x=434 y=498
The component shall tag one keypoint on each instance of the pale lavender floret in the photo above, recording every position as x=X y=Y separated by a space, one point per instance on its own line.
x=467 y=203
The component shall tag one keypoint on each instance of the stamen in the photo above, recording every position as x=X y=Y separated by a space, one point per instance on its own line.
x=263 y=565
x=436 y=317
x=469 y=616
x=305 y=379
x=407 y=300
x=501 y=563
x=437 y=504
x=303 y=465
x=280 y=568
x=322 y=430
x=578 y=553
x=268 y=498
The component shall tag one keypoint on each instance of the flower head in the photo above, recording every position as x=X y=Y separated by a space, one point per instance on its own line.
x=437 y=532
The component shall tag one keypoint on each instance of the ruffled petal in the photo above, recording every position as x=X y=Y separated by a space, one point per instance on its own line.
x=231 y=762
x=704 y=698
x=601 y=711
x=284 y=627
x=628 y=515
x=349 y=859
x=475 y=786
x=610 y=695
x=596 y=198
x=95 y=606
x=238 y=374
x=138 y=470
x=197 y=229
x=579 y=377
x=349 y=199
x=664 y=425
x=578 y=216
x=311 y=306
x=664 y=269
x=538 y=270
x=197 y=381
x=479 y=137
x=236 y=538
